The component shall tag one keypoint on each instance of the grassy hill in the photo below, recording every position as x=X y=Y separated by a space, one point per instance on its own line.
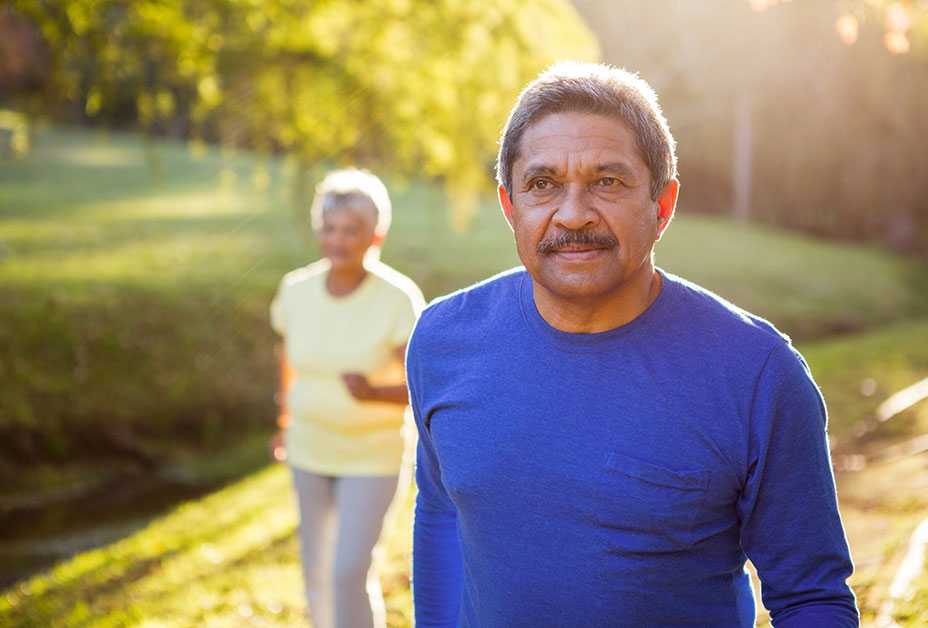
x=135 y=277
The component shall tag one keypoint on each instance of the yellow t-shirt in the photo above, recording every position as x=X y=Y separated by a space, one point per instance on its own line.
x=330 y=432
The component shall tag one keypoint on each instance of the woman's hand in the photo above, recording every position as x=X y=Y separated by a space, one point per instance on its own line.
x=362 y=390
x=278 y=452
x=359 y=387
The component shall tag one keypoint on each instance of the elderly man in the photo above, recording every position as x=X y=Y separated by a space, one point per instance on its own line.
x=603 y=443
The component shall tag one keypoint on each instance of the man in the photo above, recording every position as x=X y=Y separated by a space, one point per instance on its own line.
x=603 y=443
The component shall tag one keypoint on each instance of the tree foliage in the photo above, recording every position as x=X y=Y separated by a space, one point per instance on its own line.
x=411 y=86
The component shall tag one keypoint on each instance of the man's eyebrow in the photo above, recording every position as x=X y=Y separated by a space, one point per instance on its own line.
x=538 y=170
x=616 y=167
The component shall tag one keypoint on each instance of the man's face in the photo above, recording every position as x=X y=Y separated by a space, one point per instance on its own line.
x=581 y=208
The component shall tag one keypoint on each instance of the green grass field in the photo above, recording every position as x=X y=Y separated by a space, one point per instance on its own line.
x=858 y=372
x=134 y=282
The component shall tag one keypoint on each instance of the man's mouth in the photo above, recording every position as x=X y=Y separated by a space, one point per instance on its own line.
x=577 y=248
x=578 y=253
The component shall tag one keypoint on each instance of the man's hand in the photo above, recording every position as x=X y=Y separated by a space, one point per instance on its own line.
x=359 y=387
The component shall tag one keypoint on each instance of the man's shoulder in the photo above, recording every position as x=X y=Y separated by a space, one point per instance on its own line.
x=716 y=317
x=471 y=304
x=472 y=299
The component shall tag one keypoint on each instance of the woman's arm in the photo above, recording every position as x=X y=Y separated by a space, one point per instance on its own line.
x=283 y=385
x=283 y=416
x=362 y=390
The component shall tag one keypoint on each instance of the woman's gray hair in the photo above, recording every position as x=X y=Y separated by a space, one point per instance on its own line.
x=599 y=89
x=353 y=188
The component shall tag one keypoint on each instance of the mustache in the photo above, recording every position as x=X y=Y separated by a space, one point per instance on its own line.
x=583 y=238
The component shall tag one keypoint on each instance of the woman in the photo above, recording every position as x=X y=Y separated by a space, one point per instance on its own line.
x=345 y=321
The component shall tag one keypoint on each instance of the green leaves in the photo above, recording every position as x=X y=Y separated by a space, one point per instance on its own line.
x=406 y=87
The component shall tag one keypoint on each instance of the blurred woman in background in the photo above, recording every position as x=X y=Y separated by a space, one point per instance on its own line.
x=345 y=321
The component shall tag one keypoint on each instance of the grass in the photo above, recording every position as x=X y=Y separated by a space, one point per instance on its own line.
x=809 y=288
x=190 y=565
x=883 y=502
x=858 y=372
x=231 y=558
x=913 y=612
x=135 y=277
x=881 y=506
x=225 y=560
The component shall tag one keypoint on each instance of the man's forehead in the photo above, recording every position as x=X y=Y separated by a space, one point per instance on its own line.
x=599 y=162
x=573 y=143
x=588 y=141
x=558 y=158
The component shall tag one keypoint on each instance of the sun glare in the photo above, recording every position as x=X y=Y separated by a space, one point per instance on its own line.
x=848 y=28
x=897 y=42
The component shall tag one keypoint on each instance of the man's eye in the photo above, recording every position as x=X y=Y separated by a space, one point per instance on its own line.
x=541 y=184
x=608 y=181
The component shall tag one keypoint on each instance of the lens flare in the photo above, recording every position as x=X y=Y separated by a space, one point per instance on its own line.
x=848 y=28
x=897 y=42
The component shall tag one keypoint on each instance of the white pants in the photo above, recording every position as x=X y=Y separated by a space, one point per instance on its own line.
x=340 y=522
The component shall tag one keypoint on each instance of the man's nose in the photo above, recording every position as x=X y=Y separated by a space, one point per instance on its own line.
x=575 y=212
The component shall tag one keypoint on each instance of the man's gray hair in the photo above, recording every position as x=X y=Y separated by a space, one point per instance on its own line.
x=599 y=89
x=352 y=188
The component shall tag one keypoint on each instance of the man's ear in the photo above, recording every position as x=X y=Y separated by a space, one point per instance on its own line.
x=666 y=205
x=505 y=203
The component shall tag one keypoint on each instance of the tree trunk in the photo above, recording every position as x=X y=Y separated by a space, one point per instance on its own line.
x=741 y=157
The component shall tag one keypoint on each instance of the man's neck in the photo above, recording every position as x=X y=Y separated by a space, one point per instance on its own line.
x=601 y=313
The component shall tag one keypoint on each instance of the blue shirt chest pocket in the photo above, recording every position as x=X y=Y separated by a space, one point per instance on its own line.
x=650 y=508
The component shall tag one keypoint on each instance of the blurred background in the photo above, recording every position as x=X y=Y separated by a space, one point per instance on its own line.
x=156 y=164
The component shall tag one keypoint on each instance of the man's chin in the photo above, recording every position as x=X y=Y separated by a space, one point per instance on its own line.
x=574 y=285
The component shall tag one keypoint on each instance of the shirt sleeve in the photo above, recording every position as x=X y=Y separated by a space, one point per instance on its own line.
x=437 y=573
x=790 y=525
x=278 y=311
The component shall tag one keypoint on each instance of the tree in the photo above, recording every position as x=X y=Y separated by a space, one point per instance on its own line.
x=417 y=87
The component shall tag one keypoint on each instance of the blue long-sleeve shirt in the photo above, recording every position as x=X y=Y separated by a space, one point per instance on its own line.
x=619 y=478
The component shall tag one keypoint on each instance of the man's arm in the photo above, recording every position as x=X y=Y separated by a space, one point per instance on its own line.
x=436 y=556
x=437 y=574
x=790 y=526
